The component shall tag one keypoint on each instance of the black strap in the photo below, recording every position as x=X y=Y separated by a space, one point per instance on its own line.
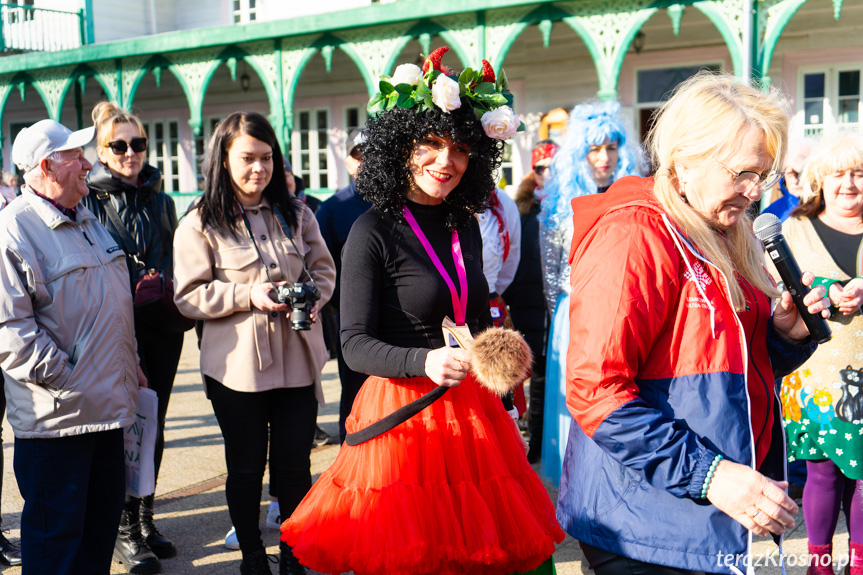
x=129 y=245
x=397 y=417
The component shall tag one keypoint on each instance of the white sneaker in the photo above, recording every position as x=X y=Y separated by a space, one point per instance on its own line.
x=231 y=539
x=274 y=521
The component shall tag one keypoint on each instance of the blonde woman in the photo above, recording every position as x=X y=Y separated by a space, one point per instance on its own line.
x=677 y=449
x=823 y=404
x=126 y=196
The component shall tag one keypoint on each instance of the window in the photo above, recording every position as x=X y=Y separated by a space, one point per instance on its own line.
x=15 y=15
x=245 y=11
x=355 y=119
x=503 y=177
x=655 y=85
x=310 y=156
x=164 y=154
x=201 y=148
x=829 y=100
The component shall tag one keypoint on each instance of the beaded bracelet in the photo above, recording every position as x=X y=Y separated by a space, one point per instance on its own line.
x=709 y=476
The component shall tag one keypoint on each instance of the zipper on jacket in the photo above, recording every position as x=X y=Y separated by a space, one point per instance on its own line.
x=86 y=238
x=763 y=381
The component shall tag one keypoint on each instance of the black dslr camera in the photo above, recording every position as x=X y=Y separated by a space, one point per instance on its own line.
x=302 y=298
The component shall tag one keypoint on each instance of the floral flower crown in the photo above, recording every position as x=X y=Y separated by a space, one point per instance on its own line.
x=437 y=85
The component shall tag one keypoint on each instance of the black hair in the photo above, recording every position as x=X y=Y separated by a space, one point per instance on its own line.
x=218 y=205
x=384 y=177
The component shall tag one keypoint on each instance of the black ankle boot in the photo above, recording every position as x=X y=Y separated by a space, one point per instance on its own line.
x=288 y=564
x=131 y=549
x=256 y=562
x=158 y=543
x=10 y=554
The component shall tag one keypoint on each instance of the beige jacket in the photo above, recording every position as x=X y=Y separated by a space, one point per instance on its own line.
x=244 y=348
x=67 y=338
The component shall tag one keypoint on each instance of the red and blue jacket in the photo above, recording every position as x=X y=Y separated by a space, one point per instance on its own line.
x=662 y=375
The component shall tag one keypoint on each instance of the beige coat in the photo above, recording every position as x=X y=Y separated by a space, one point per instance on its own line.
x=244 y=348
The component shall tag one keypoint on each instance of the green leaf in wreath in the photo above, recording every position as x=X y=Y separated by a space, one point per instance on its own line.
x=484 y=88
x=404 y=89
x=386 y=87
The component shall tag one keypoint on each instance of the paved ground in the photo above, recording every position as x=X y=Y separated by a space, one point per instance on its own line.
x=190 y=506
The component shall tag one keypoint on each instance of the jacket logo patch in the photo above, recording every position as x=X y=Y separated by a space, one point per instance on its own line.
x=701 y=279
x=113 y=249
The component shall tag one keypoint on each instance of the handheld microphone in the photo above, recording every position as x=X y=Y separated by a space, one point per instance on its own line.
x=768 y=229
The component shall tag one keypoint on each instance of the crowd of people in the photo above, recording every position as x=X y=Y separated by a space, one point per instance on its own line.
x=672 y=376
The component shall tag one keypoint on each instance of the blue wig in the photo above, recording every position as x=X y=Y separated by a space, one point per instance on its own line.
x=590 y=124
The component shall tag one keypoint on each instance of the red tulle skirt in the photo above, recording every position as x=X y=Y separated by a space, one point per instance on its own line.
x=449 y=491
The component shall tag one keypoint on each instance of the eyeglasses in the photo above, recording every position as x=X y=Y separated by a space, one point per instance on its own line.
x=119 y=147
x=539 y=170
x=745 y=181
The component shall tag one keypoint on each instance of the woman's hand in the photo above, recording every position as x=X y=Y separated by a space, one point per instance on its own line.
x=447 y=366
x=142 y=379
x=313 y=315
x=788 y=323
x=756 y=502
x=849 y=298
x=260 y=296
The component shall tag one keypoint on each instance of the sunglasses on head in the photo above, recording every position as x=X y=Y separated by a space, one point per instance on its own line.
x=119 y=147
x=539 y=170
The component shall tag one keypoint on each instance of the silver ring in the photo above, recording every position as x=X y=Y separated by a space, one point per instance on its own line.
x=757 y=511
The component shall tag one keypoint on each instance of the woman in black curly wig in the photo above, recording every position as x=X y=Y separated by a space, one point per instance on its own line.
x=448 y=489
x=384 y=177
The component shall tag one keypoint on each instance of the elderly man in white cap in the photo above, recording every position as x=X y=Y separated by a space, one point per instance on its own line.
x=67 y=349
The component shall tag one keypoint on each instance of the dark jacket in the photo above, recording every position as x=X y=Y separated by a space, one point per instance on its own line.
x=336 y=216
x=148 y=213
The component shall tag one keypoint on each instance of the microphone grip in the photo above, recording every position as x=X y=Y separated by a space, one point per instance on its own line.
x=790 y=273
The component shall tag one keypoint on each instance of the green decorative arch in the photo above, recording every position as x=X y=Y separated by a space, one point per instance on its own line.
x=371 y=83
x=150 y=64
x=391 y=61
x=6 y=90
x=44 y=97
x=613 y=76
x=290 y=87
x=456 y=46
x=775 y=26
x=90 y=72
x=734 y=44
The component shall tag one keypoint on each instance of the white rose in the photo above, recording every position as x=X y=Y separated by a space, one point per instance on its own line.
x=500 y=123
x=445 y=94
x=406 y=74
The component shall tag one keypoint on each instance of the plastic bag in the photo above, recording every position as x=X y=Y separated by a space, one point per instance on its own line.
x=139 y=446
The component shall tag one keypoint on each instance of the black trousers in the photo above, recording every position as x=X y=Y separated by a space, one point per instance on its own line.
x=606 y=563
x=73 y=489
x=287 y=417
x=159 y=351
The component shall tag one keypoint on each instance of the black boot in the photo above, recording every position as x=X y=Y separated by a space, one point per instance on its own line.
x=158 y=543
x=256 y=563
x=288 y=564
x=131 y=550
x=10 y=554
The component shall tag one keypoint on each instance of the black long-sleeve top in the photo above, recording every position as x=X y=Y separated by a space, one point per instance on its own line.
x=393 y=299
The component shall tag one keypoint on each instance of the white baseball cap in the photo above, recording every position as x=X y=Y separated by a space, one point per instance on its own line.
x=34 y=144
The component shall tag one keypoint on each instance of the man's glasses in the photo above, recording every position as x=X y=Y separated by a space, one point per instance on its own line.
x=119 y=147
x=539 y=170
x=747 y=180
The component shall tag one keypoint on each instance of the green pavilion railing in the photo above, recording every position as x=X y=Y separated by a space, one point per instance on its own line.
x=30 y=29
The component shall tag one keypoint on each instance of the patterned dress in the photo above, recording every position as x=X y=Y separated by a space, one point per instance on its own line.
x=822 y=402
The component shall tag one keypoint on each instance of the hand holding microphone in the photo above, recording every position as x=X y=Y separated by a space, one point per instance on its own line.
x=811 y=306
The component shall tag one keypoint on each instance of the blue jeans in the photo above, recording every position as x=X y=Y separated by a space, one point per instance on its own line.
x=73 y=489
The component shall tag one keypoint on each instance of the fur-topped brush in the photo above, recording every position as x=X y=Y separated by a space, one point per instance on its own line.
x=500 y=358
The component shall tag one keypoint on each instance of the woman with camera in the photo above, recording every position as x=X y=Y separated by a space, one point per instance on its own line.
x=250 y=258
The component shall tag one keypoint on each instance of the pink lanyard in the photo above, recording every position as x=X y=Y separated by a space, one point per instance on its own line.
x=459 y=304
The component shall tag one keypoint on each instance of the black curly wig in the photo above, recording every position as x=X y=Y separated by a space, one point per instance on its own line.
x=391 y=136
